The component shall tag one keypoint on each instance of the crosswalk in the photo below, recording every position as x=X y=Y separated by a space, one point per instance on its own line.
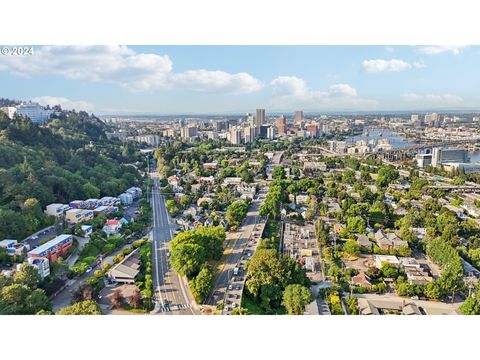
x=170 y=308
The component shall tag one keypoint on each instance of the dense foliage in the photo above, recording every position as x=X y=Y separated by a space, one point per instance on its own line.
x=68 y=158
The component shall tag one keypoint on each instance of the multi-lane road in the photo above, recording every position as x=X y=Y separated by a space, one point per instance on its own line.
x=172 y=295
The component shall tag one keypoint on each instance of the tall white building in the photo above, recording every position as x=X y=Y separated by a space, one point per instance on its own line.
x=235 y=135
x=249 y=134
x=34 y=111
x=271 y=133
x=9 y=111
x=189 y=132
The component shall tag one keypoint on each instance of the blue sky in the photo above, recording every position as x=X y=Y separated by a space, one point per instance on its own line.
x=237 y=79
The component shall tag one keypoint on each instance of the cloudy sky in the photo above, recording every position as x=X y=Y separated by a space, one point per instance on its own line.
x=238 y=79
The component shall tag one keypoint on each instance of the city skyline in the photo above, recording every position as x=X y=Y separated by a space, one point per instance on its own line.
x=171 y=80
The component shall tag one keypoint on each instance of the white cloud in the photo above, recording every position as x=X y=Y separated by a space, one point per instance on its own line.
x=439 y=49
x=216 y=81
x=431 y=99
x=123 y=66
x=292 y=91
x=380 y=65
x=419 y=65
x=64 y=103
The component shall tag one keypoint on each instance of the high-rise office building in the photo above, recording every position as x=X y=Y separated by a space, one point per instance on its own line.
x=282 y=125
x=441 y=156
x=431 y=119
x=298 y=117
x=312 y=129
x=414 y=118
x=271 y=133
x=260 y=118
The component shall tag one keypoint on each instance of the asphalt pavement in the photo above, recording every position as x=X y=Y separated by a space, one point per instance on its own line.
x=171 y=293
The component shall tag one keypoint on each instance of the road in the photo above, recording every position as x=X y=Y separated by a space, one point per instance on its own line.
x=227 y=288
x=172 y=294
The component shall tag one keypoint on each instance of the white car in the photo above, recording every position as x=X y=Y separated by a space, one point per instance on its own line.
x=89 y=269
x=230 y=287
x=234 y=305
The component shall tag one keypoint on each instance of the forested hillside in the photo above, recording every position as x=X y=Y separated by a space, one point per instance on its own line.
x=69 y=158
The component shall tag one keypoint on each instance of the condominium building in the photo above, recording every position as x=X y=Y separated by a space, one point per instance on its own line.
x=235 y=135
x=271 y=133
x=249 y=134
x=53 y=249
x=34 y=111
x=9 y=111
x=189 y=132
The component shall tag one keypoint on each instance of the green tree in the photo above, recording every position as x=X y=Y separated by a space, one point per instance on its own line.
x=239 y=311
x=37 y=301
x=187 y=259
x=90 y=191
x=202 y=284
x=352 y=248
x=86 y=307
x=295 y=298
x=28 y=276
x=236 y=212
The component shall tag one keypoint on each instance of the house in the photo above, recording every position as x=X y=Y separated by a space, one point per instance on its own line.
x=112 y=227
x=362 y=279
x=75 y=216
x=53 y=249
x=387 y=241
x=56 y=210
x=248 y=191
x=87 y=229
x=204 y=199
x=390 y=259
x=173 y=181
x=208 y=222
x=232 y=181
x=192 y=211
x=223 y=223
x=338 y=228
x=363 y=241
x=126 y=270
x=206 y=180
x=210 y=165
x=458 y=211
x=302 y=199
x=196 y=188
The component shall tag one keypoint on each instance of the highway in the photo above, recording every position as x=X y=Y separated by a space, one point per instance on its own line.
x=172 y=295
